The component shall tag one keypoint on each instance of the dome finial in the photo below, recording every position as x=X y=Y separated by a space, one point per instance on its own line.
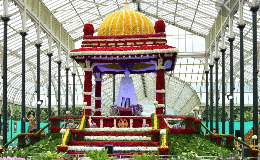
x=126 y=6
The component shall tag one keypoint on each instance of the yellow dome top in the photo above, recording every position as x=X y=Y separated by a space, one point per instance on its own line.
x=126 y=22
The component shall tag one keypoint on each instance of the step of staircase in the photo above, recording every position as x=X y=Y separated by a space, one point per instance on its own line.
x=86 y=133
x=115 y=149
x=117 y=138
x=115 y=143
x=107 y=129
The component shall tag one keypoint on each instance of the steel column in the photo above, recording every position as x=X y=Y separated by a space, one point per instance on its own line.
x=254 y=10
x=207 y=98
x=223 y=118
x=73 y=102
x=217 y=113
x=23 y=34
x=231 y=122
x=211 y=97
x=5 y=20
x=59 y=66
x=242 y=128
x=49 y=87
x=67 y=88
x=38 y=112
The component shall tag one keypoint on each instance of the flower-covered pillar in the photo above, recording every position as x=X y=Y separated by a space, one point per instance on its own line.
x=98 y=98
x=87 y=89
x=160 y=90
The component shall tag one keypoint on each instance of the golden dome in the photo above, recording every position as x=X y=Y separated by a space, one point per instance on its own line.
x=126 y=22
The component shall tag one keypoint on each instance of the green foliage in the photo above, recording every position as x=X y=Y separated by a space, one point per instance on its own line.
x=47 y=143
x=248 y=114
x=13 y=152
x=194 y=144
x=144 y=157
x=100 y=155
x=44 y=112
x=49 y=155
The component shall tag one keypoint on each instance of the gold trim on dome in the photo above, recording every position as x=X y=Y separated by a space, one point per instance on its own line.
x=126 y=22
x=131 y=26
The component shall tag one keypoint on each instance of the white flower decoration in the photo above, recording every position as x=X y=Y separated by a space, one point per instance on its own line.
x=62 y=131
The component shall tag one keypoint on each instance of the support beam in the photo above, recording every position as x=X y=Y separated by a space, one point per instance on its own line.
x=49 y=86
x=207 y=98
x=211 y=97
x=217 y=113
x=5 y=19
x=231 y=122
x=223 y=118
x=59 y=66
x=67 y=88
x=254 y=9
x=174 y=24
x=73 y=93
x=23 y=34
x=241 y=27
x=222 y=19
x=38 y=112
x=51 y=31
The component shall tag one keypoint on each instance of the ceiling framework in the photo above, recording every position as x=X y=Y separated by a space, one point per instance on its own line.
x=63 y=20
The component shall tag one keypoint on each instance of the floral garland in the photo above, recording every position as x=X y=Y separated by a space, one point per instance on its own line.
x=103 y=143
x=184 y=131
x=125 y=36
x=125 y=50
x=116 y=149
x=116 y=117
x=254 y=152
x=118 y=138
x=217 y=138
x=231 y=140
x=109 y=43
x=62 y=148
x=108 y=129
x=111 y=133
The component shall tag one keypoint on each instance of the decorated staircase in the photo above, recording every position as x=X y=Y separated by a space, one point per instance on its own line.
x=123 y=135
x=123 y=140
x=137 y=136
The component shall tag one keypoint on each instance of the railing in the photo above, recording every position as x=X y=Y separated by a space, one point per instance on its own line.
x=37 y=133
x=226 y=135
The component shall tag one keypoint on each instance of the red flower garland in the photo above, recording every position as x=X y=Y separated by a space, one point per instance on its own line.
x=125 y=36
x=254 y=152
x=159 y=26
x=110 y=133
x=112 y=42
x=184 y=131
x=123 y=48
x=231 y=140
x=54 y=129
x=218 y=138
x=62 y=148
x=160 y=110
x=160 y=79
x=116 y=143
